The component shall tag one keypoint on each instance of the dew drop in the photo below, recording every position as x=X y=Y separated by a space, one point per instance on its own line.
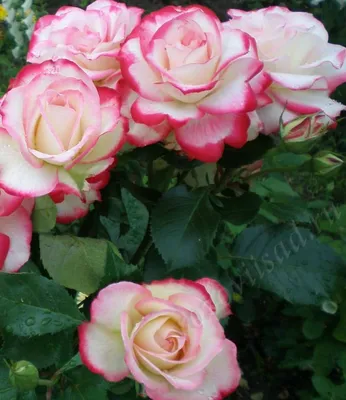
x=30 y=321
x=46 y=321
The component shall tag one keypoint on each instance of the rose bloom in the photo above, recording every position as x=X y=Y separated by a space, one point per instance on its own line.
x=202 y=77
x=165 y=335
x=304 y=67
x=91 y=38
x=71 y=207
x=62 y=130
x=15 y=230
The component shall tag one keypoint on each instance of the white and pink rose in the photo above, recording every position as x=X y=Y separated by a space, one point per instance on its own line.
x=91 y=38
x=61 y=130
x=166 y=335
x=202 y=77
x=303 y=66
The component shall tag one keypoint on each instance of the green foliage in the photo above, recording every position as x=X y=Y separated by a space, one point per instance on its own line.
x=289 y=262
x=44 y=214
x=76 y=263
x=183 y=226
x=7 y=391
x=138 y=218
x=32 y=305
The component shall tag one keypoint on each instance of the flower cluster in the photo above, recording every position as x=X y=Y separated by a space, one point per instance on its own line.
x=106 y=76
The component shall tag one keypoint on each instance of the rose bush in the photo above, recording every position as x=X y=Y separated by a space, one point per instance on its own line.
x=304 y=68
x=15 y=230
x=202 y=77
x=90 y=38
x=62 y=130
x=162 y=118
x=166 y=335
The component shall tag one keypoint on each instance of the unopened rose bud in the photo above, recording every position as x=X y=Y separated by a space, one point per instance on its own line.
x=325 y=163
x=24 y=376
x=300 y=134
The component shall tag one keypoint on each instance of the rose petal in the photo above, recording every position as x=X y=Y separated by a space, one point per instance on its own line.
x=218 y=295
x=19 y=177
x=141 y=375
x=154 y=113
x=18 y=228
x=222 y=379
x=204 y=138
x=102 y=351
x=4 y=248
x=113 y=300
x=212 y=338
x=165 y=288
x=8 y=203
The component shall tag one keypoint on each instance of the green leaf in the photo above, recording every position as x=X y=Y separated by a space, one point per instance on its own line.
x=297 y=357
x=273 y=186
x=122 y=387
x=74 y=262
x=44 y=214
x=71 y=364
x=240 y=210
x=289 y=262
x=252 y=151
x=32 y=305
x=138 y=218
x=31 y=267
x=183 y=226
x=285 y=209
x=203 y=175
x=7 y=391
x=281 y=203
x=340 y=330
x=314 y=327
x=85 y=386
x=329 y=390
x=27 y=395
x=275 y=159
x=42 y=351
x=162 y=175
x=342 y=363
x=326 y=356
x=112 y=227
x=154 y=267
x=117 y=270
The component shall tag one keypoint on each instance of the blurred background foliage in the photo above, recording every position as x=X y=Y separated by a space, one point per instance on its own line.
x=285 y=351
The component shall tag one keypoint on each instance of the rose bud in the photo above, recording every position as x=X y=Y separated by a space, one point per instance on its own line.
x=24 y=376
x=300 y=134
x=326 y=163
